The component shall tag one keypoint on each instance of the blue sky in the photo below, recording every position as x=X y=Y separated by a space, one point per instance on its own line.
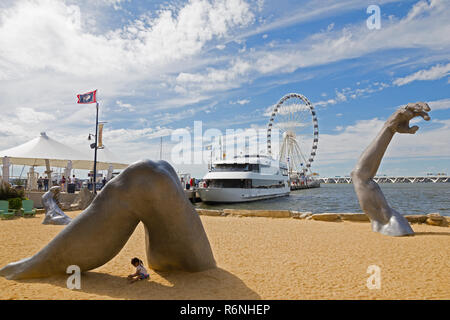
x=161 y=65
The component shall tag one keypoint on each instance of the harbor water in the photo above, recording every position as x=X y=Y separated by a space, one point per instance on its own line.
x=406 y=198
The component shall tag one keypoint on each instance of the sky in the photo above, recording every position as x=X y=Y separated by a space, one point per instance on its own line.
x=160 y=66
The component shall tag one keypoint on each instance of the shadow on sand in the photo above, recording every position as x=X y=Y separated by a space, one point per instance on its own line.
x=216 y=284
x=432 y=233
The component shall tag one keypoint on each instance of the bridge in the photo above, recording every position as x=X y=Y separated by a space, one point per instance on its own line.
x=392 y=179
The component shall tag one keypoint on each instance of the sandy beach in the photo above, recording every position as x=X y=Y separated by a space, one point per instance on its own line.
x=258 y=258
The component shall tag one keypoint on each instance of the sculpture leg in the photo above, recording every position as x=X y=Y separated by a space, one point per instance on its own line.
x=146 y=191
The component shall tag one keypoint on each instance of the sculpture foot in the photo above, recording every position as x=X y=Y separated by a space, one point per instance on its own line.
x=397 y=226
x=18 y=270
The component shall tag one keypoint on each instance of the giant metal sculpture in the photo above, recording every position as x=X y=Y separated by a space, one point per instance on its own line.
x=146 y=191
x=53 y=213
x=384 y=219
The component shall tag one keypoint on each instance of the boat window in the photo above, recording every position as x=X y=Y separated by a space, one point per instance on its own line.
x=236 y=167
x=245 y=183
x=230 y=183
x=267 y=184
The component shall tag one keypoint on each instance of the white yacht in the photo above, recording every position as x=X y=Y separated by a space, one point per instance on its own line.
x=245 y=178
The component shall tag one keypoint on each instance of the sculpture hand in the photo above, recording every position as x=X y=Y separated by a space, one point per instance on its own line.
x=399 y=121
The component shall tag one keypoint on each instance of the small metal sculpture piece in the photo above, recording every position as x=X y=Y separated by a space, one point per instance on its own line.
x=147 y=192
x=384 y=219
x=53 y=212
x=83 y=199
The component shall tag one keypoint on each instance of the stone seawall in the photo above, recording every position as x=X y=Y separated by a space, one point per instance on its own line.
x=434 y=219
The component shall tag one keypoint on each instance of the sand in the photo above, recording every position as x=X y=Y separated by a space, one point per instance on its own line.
x=258 y=258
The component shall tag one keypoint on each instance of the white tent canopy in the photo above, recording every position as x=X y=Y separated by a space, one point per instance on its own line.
x=42 y=148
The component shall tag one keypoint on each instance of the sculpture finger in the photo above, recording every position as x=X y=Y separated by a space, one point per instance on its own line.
x=418 y=107
x=413 y=129
x=423 y=114
x=425 y=107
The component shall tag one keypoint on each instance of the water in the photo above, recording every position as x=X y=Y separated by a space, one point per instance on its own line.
x=417 y=198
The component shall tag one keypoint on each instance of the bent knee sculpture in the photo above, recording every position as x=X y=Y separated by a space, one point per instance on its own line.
x=147 y=192
x=383 y=218
x=53 y=213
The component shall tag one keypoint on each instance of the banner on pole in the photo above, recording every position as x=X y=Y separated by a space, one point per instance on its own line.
x=100 y=136
x=89 y=97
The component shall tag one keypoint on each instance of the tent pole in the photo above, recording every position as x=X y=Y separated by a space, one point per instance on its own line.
x=48 y=172
x=95 y=151
x=5 y=171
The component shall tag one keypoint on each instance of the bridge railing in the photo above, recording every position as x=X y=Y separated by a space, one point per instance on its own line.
x=387 y=179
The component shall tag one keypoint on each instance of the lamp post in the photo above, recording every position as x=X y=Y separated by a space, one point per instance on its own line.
x=95 y=147
x=95 y=151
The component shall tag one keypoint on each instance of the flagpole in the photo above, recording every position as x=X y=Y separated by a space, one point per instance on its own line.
x=160 y=149
x=95 y=151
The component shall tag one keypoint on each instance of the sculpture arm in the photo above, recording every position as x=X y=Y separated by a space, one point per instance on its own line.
x=370 y=196
x=370 y=160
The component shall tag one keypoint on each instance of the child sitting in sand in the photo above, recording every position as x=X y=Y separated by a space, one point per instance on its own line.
x=141 y=273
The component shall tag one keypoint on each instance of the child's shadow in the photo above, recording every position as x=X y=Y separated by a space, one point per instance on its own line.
x=216 y=284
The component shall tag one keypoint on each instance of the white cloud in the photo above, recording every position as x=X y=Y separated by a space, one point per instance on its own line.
x=346 y=94
x=436 y=72
x=421 y=29
x=348 y=144
x=215 y=79
x=49 y=35
x=126 y=106
x=440 y=104
x=117 y=4
x=241 y=102
x=49 y=53
x=309 y=11
x=413 y=32
x=30 y=116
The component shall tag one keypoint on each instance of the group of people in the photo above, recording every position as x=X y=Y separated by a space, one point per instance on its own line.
x=44 y=182
x=189 y=184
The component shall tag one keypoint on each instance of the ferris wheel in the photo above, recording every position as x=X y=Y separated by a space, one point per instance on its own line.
x=295 y=118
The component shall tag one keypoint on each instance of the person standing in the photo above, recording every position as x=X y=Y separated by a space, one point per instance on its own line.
x=40 y=183
x=72 y=184
x=46 y=184
x=63 y=183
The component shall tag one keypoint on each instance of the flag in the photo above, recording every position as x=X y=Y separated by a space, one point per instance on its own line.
x=89 y=97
